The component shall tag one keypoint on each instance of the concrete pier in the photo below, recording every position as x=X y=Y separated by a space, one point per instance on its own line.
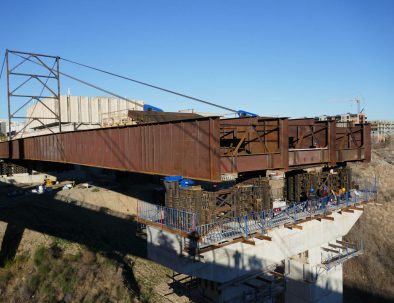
x=308 y=281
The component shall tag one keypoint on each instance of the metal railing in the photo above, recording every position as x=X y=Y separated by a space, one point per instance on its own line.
x=165 y=216
x=330 y=260
x=346 y=252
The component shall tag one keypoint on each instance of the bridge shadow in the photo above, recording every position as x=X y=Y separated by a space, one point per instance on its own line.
x=141 y=186
x=100 y=230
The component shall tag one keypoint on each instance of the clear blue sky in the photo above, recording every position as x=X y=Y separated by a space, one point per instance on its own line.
x=287 y=58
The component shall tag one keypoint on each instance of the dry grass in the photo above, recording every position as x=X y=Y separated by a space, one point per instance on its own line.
x=51 y=274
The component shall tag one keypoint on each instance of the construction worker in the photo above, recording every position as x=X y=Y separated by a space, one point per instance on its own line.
x=312 y=196
x=325 y=191
x=304 y=199
x=303 y=196
x=338 y=195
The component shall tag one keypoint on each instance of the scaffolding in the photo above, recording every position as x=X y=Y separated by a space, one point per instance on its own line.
x=228 y=229
x=339 y=252
x=332 y=255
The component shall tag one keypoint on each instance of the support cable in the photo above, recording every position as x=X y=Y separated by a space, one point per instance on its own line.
x=86 y=83
x=150 y=85
x=2 y=66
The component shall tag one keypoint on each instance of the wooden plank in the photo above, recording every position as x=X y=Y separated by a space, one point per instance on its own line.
x=356 y=208
x=294 y=226
x=318 y=217
x=346 y=210
x=263 y=237
x=153 y=117
x=327 y=218
x=248 y=241
x=163 y=227
x=307 y=219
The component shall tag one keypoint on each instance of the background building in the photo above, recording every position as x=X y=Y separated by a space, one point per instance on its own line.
x=3 y=128
x=77 y=113
x=381 y=130
x=345 y=119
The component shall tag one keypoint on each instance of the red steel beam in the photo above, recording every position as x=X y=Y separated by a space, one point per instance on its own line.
x=191 y=147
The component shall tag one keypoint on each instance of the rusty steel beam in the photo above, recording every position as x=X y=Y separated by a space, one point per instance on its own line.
x=367 y=142
x=188 y=148
x=284 y=143
x=201 y=148
x=332 y=130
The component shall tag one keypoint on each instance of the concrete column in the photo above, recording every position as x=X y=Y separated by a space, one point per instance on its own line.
x=308 y=282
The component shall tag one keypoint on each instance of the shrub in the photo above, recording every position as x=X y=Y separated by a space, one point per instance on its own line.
x=40 y=255
x=32 y=283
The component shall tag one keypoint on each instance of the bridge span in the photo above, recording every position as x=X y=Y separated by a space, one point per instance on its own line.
x=203 y=148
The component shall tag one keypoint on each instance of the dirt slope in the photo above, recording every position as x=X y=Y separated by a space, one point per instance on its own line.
x=66 y=252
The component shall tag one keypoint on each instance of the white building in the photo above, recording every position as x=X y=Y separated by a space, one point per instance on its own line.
x=77 y=113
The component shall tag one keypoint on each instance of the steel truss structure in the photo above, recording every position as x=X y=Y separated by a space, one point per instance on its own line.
x=48 y=84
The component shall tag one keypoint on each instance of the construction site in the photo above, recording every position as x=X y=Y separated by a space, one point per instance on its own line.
x=246 y=208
